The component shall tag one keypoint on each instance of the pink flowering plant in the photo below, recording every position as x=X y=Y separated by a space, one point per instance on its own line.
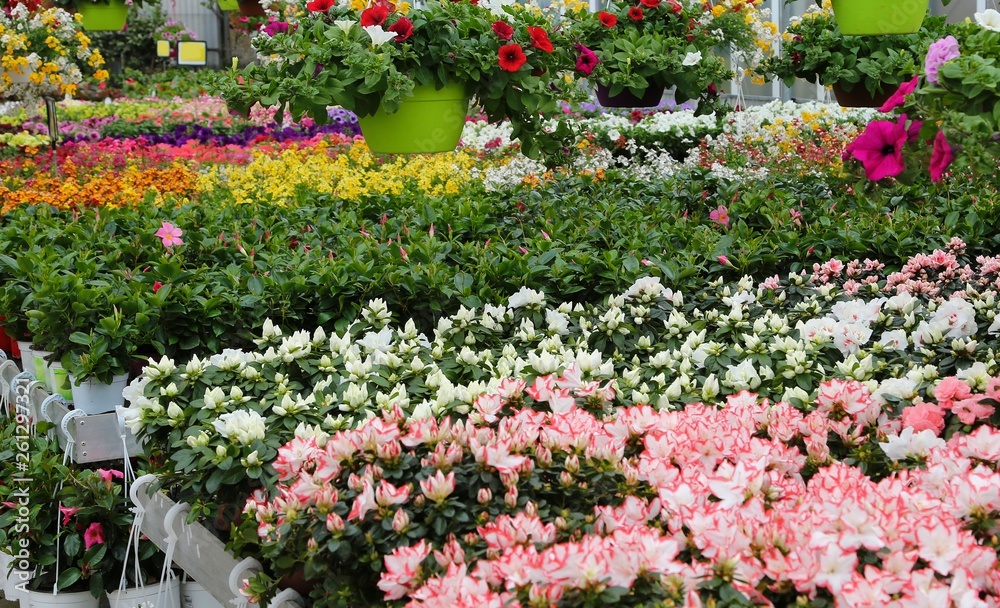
x=947 y=116
x=78 y=521
x=537 y=500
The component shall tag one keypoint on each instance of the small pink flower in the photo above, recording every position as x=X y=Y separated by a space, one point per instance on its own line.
x=156 y=286
x=941 y=157
x=170 y=234
x=938 y=54
x=720 y=216
x=94 y=535
x=724 y=260
x=924 y=416
x=109 y=475
x=67 y=513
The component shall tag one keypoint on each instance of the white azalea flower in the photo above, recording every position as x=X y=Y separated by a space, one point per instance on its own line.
x=908 y=444
x=989 y=19
x=378 y=35
x=241 y=426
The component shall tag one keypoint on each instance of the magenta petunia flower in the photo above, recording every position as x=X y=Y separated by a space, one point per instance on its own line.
x=880 y=149
x=899 y=97
x=586 y=61
x=170 y=234
x=938 y=54
x=941 y=156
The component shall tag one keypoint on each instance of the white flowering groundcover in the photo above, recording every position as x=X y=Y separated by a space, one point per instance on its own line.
x=847 y=453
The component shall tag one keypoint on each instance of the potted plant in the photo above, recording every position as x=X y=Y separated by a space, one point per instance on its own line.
x=947 y=114
x=420 y=65
x=101 y=15
x=633 y=51
x=45 y=53
x=880 y=17
x=863 y=70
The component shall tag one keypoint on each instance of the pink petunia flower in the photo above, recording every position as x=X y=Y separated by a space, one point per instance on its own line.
x=170 y=235
x=940 y=53
x=94 y=535
x=880 y=149
x=941 y=157
x=899 y=97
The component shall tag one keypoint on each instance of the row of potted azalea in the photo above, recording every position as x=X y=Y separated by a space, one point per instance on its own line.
x=845 y=366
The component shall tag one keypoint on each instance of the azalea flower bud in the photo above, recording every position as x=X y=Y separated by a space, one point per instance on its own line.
x=400 y=521
x=335 y=524
x=220 y=453
x=200 y=440
x=530 y=509
x=572 y=463
x=510 y=498
x=565 y=479
x=484 y=496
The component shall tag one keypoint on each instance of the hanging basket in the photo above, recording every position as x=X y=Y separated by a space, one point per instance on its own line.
x=94 y=397
x=626 y=99
x=82 y=599
x=103 y=17
x=229 y=5
x=429 y=121
x=879 y=17
x=859 y=97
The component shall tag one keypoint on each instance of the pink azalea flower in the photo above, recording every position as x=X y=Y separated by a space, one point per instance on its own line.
x=899 y=97
x=94 y=535
x=170 y=235
x=941 y=157
x=880 y=149
x=720 y=216
x=940 y=53
x=724 y=260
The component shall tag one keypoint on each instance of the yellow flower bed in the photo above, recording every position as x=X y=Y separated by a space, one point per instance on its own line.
x=289 y=176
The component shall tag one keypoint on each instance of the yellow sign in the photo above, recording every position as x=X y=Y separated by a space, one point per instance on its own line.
x=192 y=53
x=162 y=48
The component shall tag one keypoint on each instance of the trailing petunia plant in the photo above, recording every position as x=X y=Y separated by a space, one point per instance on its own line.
x=950 y=113
x=668 y=43
x=507 y=58
x=814 y=49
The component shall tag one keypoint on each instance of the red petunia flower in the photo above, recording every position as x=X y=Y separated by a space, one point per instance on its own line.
x=540 y=39
x=321 y=6
x=403 y=29
x=512 y=57
x=675 y=7
x=502 y=30
x=635 y=13
x=375 y=15
x=607 y=19
x=650 y=3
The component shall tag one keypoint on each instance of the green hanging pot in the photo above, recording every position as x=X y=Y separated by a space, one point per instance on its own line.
x=879 y=17
x=103 y=16
x=229 y=5
x=428 y=121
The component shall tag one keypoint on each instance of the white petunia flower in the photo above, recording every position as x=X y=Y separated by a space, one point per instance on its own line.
x=989 y=19
x=345 y=24
x=378 y=35
x=692 y=58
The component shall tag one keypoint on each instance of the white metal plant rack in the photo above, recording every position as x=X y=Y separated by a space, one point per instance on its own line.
x=97 y=437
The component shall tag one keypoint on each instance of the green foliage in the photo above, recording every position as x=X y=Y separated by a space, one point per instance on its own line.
x=814 y=49
x=133 y=47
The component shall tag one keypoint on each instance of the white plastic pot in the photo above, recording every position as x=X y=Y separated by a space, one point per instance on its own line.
x=45 y=599
x=27 y=356
x=12 y=578
x=95 y=398
x=193 y=595
x=41 y=369
x=151 y=595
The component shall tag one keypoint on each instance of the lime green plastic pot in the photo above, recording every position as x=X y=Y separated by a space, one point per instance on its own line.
x=229 y=5
x=429 y=121
x=103 y=17
x=879 y=17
